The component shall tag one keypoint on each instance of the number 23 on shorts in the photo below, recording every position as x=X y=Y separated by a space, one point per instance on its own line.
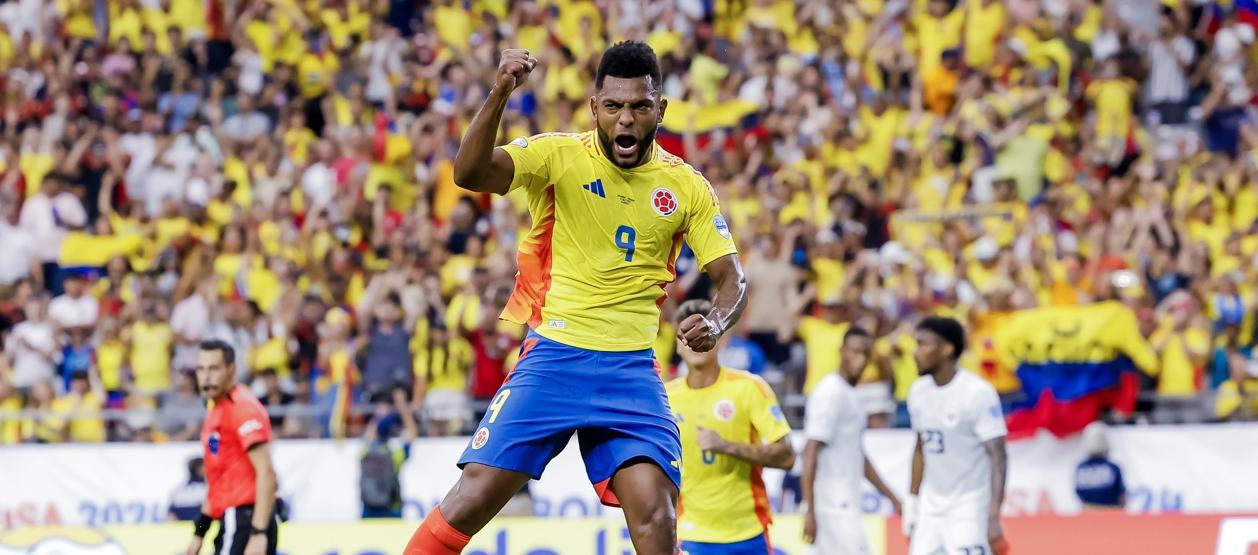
x=499 y=400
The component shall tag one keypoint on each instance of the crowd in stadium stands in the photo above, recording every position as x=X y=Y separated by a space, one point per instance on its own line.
x=279 y=174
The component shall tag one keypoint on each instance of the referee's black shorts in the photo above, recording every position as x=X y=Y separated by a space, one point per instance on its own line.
x=234 y=528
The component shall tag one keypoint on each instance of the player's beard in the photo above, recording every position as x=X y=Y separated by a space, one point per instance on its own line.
x=644 y=146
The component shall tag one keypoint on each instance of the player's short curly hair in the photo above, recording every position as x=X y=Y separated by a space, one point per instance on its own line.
x=949 y=330
x=628 y=59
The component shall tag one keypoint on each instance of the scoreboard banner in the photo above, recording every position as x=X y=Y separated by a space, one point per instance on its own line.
x=1180 y=469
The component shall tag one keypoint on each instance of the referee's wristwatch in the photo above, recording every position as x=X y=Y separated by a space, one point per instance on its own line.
x=257 y=532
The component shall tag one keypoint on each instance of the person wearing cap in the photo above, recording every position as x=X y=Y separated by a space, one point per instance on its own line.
x=1098 y=481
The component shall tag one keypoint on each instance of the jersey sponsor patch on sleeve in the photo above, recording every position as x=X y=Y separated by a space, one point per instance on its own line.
x=520 y=142
x=776 y=411
x=721 y=227
x=250 y=426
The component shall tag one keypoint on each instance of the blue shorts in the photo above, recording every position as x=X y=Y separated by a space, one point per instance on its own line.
x=614 y=401
x=758 y=545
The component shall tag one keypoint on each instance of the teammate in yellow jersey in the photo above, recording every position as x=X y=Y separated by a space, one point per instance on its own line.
x=610 y=209
x=731 y=426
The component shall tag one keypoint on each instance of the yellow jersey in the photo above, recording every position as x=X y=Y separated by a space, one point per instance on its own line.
x=150 y=355
x=593 y=268
x=723 y=499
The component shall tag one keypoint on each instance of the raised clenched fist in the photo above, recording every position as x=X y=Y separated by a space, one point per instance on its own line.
x=514 y=68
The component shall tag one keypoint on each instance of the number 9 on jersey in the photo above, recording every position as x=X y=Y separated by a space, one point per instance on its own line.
x=625 y=237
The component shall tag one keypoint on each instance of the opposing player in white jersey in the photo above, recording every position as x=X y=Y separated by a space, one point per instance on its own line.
x=958 y=480
x=834 y=458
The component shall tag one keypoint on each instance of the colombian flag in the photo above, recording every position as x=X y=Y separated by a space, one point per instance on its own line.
x=1074 y=362
x=1247 y=12
x=736 y=117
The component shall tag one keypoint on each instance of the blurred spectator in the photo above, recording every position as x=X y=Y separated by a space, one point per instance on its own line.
x=307 y=423
x=274 y=397
x=190 y=321
x=182 y=408
x=150 y=343
x=1238 y=396
x=46 y=427
x=186 y=500
x=18 y=260
x=386 y=354
x=77 y=356
x=386 y=446
x=771 y=280
x=10 y=404
x=1182 y=340
x=1098 y=481
x=77 y=413
x=32 y=346
x=75 y=308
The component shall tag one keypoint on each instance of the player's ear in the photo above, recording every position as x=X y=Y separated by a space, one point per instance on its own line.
x=663 y=106
x=593 y=112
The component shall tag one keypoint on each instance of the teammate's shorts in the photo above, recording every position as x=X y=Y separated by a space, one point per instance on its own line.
x=758 y=545
x=840 y=533
x=937 y=535
x=614 y=401
x=234 y=529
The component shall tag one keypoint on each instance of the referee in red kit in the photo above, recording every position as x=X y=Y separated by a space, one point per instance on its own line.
x=236 y=438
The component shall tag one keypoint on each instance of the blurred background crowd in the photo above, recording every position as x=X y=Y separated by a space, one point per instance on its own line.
x=278 y=173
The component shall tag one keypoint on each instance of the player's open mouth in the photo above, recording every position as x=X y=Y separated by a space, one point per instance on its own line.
x=625 y=145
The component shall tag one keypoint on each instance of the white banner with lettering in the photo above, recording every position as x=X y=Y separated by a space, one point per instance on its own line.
x=1166 y=469
x=122 y=483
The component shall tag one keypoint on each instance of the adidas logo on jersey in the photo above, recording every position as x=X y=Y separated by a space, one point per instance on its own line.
x=596 y=187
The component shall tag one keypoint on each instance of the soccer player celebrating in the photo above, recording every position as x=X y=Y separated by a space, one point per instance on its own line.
x=834 y=458
x=609 y=209
x=958 y=477
x=235 y=435
x=731 y=426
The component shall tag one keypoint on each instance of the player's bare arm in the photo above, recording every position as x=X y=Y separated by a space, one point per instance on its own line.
x=778 y=454
x=264 y=498
x=875 y=480
x=807 y=480
x=909 y=511
x=701 y=332
x=479 y=166
x=999 y=458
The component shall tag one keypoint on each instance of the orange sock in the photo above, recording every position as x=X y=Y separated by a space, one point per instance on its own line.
x=436 y=537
